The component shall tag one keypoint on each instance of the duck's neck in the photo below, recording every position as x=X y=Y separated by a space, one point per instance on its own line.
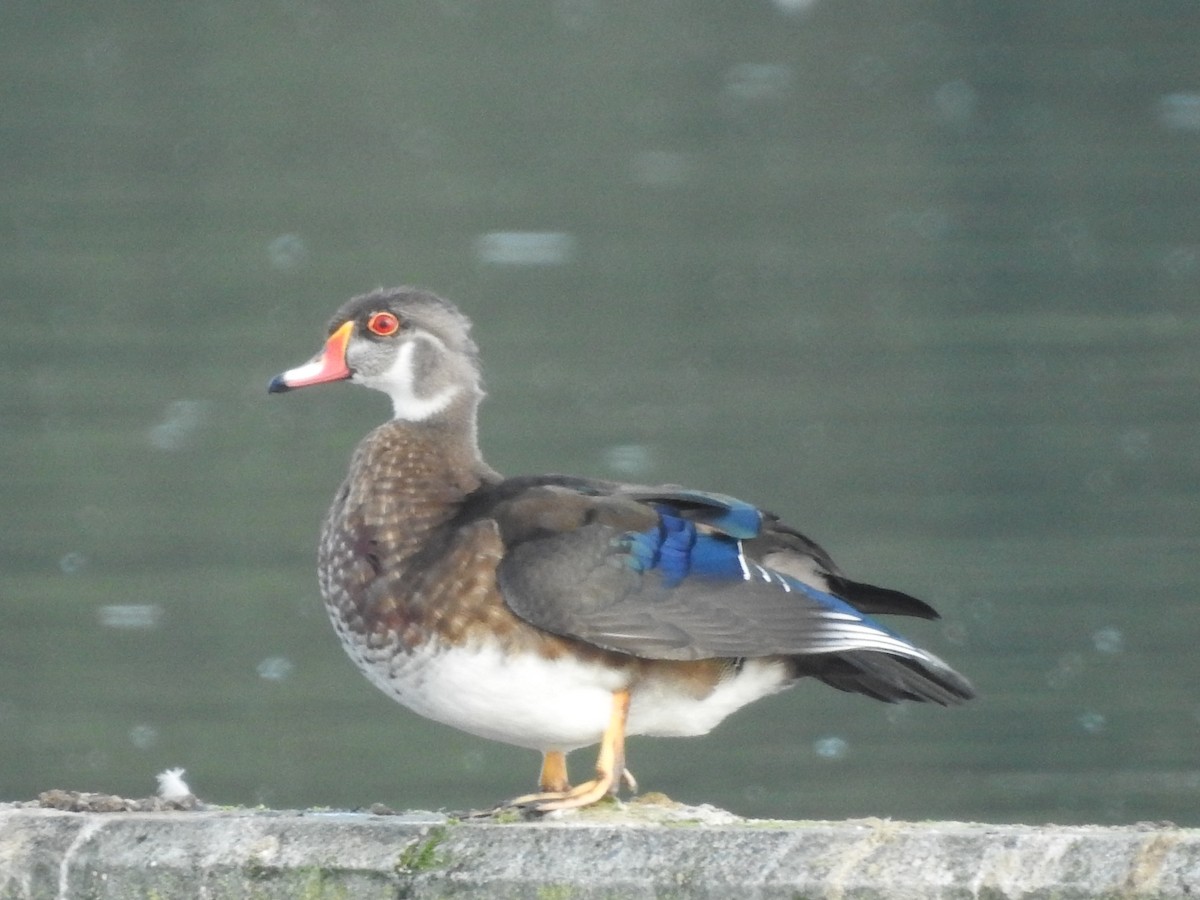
x=420 y=465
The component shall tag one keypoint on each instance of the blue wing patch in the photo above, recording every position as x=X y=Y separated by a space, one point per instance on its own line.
x=728 y=515
x=677 y=550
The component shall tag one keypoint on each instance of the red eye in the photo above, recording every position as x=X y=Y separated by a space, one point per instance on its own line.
x=384 y=324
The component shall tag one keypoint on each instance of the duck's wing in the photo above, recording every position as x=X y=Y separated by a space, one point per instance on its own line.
x=670 y=573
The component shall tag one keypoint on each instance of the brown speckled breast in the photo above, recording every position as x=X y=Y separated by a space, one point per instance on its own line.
x=397 y=569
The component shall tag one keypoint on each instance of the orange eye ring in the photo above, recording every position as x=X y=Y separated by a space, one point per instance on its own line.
x=383 y=323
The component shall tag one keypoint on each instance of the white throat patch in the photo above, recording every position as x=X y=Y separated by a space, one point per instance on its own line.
x=399 y=383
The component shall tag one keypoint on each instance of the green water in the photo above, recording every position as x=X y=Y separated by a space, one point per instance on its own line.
x=921 y=277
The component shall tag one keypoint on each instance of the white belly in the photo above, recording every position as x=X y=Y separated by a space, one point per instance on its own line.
x=549 y=704
x=657 y=710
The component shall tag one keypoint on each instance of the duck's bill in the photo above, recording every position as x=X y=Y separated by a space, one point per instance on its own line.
x=328 y=365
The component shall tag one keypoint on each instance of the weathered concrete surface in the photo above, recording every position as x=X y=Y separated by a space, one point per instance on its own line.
x=614 y=853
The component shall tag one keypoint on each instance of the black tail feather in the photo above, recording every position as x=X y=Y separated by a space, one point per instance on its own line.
x=873 y=600
x=887 y=677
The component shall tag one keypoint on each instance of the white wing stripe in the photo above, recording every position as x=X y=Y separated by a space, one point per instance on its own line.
x=742 y=562
x=862 y=637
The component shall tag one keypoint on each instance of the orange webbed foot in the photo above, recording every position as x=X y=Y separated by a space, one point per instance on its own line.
x=556 y=794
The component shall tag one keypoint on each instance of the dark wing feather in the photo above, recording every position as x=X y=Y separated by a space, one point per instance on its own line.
x=666 y=573
x=874 y=600
x=578 y=584
x=888 y=677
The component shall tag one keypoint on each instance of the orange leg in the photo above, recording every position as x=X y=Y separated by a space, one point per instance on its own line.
x=610 y=768
x=553 y=779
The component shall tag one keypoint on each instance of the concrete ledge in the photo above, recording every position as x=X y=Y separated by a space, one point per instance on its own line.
x=627 y=852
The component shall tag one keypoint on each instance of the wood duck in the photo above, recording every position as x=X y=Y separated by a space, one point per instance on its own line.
x=554 y=612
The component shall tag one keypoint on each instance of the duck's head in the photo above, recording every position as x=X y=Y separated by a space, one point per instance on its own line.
x=411 y=344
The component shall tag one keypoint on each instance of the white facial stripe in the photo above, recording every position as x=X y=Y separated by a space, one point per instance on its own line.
x=399 y=383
